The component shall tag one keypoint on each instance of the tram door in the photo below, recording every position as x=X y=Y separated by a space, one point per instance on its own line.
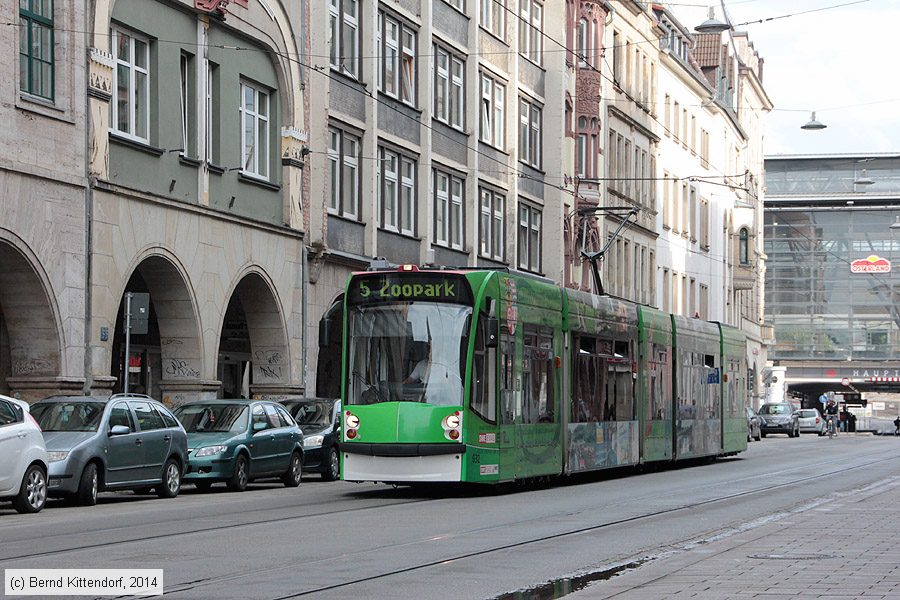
x=509 y=401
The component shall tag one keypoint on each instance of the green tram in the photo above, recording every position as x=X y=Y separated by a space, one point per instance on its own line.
x=490 y=376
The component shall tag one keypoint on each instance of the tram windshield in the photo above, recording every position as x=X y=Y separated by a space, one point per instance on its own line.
x=407 y=352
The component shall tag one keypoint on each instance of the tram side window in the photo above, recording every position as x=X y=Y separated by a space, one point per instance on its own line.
x=687 y=402
x=537 y=379
x=659 y=390
x=589 y=383
x=621 y=397
x=509 y=409
x=482 y=392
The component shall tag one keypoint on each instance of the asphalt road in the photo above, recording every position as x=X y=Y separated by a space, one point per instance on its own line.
x=342 y=540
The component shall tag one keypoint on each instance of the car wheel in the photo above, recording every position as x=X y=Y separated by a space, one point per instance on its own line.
x=333 y=466
x=762 y=434
x=203 y=486
x=294 y=474
x=33 y=494
x=88 y=486
x=171 y=480
x=239 y=479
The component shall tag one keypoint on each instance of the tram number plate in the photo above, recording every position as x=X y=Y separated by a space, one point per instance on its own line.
x=489 y=469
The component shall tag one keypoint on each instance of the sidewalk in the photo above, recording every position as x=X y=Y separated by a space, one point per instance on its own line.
x=787 y=558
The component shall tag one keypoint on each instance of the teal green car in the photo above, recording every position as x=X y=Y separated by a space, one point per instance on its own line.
x=237 y=441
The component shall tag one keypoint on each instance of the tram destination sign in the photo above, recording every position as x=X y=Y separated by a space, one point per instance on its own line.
x=379 y=288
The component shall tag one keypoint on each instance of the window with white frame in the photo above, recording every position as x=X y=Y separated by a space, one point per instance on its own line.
x=343 y=35
x=584 y=42
x=530 y=133
x=492 y=225
x=344 y=150
x=460 y=5
x=254 y=130
x=581 y=155
x=396 y=42
x=449 y=87
x=131 y=85
x=397 y=191
x=493 y=17
x=449 y=202
x=531 y=40
x=492 y=122
x=211 y=74
x=529 y=242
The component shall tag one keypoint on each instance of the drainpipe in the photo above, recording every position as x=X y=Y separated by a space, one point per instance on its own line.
x=88 y=211
x=304 y=311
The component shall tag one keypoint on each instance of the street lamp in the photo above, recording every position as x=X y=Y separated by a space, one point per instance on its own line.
x=864 y=179
x=813 y=124
x=712 y=24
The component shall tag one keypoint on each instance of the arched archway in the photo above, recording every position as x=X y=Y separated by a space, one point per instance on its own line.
x=254 y=356
x=30 y=350
x=166 y=362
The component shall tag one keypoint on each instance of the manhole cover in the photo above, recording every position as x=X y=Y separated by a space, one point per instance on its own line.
x=792 y=556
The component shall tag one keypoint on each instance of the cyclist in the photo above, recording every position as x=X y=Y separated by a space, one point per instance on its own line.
x=831 y=416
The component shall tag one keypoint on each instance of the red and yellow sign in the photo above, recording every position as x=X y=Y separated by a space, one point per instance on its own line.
x=872 y=264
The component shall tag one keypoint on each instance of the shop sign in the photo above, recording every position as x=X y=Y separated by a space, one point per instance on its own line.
x=871 y=264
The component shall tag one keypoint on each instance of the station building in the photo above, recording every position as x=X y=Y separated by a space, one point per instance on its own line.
x=832 y=237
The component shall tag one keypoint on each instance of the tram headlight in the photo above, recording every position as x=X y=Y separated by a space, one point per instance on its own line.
x=351 y=422
x=452 y=421
x=452 y=426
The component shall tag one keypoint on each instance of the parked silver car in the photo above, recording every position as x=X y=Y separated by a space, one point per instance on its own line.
x=779 y=417
x=111 y=443
x=811 y=421
x=754 y=425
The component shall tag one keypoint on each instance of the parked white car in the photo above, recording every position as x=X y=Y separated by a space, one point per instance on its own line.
x=23 y=468
x=811 y=421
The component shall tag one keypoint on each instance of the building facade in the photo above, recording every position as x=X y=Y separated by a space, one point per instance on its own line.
x=439 y=145
x=235 y=160
x=832 y=242
x=162 y=157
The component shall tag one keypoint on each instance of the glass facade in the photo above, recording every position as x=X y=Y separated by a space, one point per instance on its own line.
x=832 y=291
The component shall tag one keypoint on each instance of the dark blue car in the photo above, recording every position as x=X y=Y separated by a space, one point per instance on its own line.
x=320 y=420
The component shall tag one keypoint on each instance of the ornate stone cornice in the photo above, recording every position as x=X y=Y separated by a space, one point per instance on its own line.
x=100 y=72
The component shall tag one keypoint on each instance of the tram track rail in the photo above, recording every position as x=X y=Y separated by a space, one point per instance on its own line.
x=187 y=586
x=192 y=585
x=198 y=530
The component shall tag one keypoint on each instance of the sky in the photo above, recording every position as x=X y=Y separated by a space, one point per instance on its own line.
x=839 y=62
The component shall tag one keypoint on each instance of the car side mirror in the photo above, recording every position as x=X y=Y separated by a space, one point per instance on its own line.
x=119 y=430
x=258 y=426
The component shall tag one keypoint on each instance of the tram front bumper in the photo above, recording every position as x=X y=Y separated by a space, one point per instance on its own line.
x=399 y=469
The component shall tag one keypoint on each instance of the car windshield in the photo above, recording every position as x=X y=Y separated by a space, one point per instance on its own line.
x=410 y=351
x=68 y=416
x=775 y=409
x=208 y=418
x=311 y=414
x=808 y=413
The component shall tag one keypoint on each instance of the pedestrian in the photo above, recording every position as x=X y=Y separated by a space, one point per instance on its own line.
x=897 y=425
